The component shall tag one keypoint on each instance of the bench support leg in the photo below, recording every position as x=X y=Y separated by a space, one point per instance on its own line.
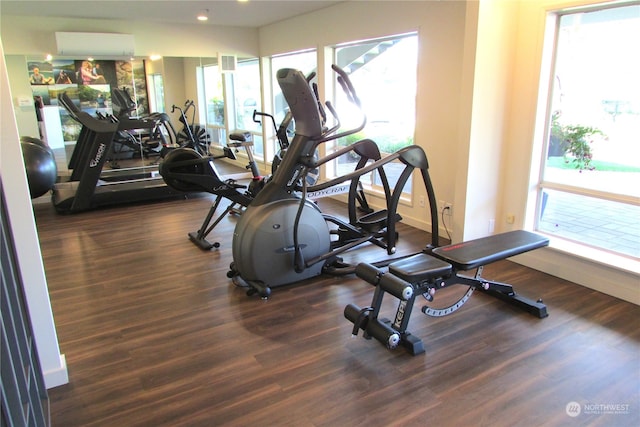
x=537 y=308
x=502 y=291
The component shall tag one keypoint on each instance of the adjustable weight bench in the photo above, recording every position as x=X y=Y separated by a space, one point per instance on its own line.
x=434 y=269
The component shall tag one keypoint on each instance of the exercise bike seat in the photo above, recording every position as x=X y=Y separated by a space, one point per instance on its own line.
x=419 y=268
x=241 y=139
x=475 y=253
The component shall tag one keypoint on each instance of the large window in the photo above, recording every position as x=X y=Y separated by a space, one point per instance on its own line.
x=243 y=86
x=230 y=100
x=155 y=85
x=212 y=89
x=590 y=179
x=383 y=72
x=214 y=95
x=246 y=94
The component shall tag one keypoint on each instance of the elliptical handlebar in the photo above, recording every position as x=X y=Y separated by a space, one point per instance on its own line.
x=347 y=86
x=306 y=108
x=352 y=96
x=280 y=132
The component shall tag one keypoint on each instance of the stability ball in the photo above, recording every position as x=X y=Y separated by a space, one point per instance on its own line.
x=40 y=165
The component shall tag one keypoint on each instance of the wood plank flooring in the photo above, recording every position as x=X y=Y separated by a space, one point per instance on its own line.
x=155 y=334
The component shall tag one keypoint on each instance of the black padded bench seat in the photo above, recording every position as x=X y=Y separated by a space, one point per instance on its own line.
x=475 y=253
x=420 y=267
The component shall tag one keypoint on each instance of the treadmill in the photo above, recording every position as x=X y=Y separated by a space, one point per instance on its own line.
x=88 y=186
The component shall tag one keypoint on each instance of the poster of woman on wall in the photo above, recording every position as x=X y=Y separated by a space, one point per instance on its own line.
x=85 y=74
x=95 y=72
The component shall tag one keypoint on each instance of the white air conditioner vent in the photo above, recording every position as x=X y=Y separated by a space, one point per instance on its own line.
x=227 y=63
x=95 y=44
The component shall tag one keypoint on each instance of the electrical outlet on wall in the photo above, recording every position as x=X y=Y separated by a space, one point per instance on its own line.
x=445 y=208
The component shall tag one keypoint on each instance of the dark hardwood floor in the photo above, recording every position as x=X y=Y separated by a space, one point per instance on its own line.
x=155 y=334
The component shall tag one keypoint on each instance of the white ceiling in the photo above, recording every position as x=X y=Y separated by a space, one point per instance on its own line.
x=252 y=13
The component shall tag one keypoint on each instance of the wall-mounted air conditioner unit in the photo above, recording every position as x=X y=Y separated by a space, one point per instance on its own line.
x=95 y=44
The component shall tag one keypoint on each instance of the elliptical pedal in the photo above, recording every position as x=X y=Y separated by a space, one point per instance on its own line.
x=375 y=221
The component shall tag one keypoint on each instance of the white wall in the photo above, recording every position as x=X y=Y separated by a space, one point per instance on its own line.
x=172 y=70
x=492 y=75
x=25 y=235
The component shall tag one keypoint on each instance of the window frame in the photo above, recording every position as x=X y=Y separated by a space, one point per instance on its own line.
x=371 y=184
x=544 y=116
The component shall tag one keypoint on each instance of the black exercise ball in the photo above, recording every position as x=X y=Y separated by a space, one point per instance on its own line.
x=36 y=141
x=41 y=168
x=32 y=139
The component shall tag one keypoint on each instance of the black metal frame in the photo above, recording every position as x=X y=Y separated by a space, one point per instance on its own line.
x=435 y=269
x=87 y=187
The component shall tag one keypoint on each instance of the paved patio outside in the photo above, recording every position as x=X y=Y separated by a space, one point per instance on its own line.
x=595 y=222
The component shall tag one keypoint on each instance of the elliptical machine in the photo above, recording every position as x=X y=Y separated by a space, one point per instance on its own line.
x=283 y=237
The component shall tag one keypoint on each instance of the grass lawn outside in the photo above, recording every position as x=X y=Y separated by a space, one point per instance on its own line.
x=567 y=163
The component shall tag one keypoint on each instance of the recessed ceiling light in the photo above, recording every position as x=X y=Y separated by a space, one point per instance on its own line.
x=204 y=15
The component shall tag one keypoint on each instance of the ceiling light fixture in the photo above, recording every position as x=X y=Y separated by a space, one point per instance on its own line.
x=204 y=15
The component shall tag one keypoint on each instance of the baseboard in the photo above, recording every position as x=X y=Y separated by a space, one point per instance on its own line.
x=616 y=282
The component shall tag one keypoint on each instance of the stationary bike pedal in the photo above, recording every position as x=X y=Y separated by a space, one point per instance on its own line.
x=234 y=184
x=229 y=153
